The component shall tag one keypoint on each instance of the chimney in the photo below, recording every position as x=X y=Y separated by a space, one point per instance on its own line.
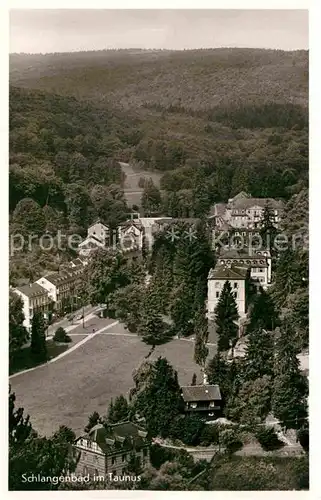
x=205 y=380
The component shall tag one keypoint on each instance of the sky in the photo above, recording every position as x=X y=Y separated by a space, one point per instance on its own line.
x=42 y=31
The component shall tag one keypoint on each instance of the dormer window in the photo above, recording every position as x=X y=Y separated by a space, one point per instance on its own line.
x=193 y=405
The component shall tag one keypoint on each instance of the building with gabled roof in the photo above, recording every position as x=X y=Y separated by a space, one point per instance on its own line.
x=63 y=286
x=244 y=212
x=203 y=399
x=258 y=261
x=107 y=448
x=238 y=277
x=35 y=298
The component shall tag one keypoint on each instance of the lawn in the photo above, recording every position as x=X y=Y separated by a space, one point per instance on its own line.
x=68 y=390
x=23 y=359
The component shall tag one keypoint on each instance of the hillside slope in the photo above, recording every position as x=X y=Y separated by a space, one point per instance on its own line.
x=196 y=79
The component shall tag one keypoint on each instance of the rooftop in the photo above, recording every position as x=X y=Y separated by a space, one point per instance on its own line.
x=201 y=392
x=32 y=290
x=243 y=253
x=227 y=273
x=245 y=203
x=120 y=436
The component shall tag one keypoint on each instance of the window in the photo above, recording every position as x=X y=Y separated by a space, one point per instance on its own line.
x=193 y=405
x=144 y=452
x=123 y=458
x=235 y=285
x=212 y=404
x=217 y=294
x=85 y=470
x=217 y=284
x=113 y=460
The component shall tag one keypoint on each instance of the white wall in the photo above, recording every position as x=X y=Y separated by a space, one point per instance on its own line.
x=99 y=230
x=215 y=286
x=50 y=287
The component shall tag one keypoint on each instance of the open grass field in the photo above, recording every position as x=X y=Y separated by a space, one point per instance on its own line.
x=133 y=192
x=67 y=391
x=24 y=361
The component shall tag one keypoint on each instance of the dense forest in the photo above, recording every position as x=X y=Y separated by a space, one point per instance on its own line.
x=212 y=122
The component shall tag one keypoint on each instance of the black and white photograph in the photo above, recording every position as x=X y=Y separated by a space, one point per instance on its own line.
x=158 y=296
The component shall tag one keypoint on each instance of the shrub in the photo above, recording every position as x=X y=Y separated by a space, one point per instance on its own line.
x=187 y=429
x=160 y=455
x=303 y=438
x=268 y=438
x=230 y=440
x=61 y=336
x=210 y=435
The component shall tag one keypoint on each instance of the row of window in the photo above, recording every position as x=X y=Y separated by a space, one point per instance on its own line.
x=218 y=284
x=234 y=293
x=211 y=404
x=241 y=261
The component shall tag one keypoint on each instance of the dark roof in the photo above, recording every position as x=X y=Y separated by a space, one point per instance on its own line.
x=32 y=290
x=94 y=237
x=117 y=437
x=184 y=220
x=201 y=392
x=227 y=273
x=245 y=203
x=133 y=222
x=243 y=253
x=65 y=275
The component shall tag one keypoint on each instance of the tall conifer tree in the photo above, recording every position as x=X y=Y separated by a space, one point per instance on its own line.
x=226 y=316
x=38 y=338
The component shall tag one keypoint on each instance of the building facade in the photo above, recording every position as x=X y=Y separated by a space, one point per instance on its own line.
x=63 y=287
x=259 y=262
x=238 y=277
x=245 y=212
x=105 y=450
x=204 y=400
x=35 y=298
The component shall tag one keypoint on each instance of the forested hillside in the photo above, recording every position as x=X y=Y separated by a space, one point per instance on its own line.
x=213 y=122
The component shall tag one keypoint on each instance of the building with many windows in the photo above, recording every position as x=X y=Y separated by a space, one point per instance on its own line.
x=258 y=261
x=35 y=298
x=238 y=278
x=108 y=449
x=245 y=212
x=63 y=287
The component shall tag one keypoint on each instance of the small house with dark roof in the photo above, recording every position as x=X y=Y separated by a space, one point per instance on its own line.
x=107 y=449
x=35 y=298
x=203 y=399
